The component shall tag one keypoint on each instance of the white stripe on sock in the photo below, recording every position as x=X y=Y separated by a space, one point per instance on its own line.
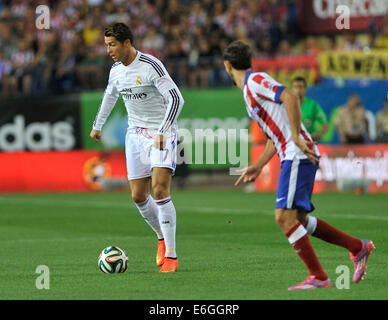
x=297 y=234
x=161 y=202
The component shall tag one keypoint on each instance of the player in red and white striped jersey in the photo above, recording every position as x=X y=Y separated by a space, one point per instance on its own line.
x=276 y=109
x=262 y=97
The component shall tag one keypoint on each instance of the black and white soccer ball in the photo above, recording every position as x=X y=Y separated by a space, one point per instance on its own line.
x=113 y=260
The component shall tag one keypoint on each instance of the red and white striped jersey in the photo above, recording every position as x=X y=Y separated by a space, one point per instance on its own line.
x=262 y=99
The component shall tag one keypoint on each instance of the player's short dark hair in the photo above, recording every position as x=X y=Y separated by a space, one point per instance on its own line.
x=120 y=31
x=239 y=54
x=300 y=79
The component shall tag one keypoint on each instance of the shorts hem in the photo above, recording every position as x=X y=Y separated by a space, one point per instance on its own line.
x=139 y=177
x=172 y=170
x=296 y=208
x=156 y=166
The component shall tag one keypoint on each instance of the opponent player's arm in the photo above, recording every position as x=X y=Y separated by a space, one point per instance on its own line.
x=291 y=103
x=252 y=172
x=108 y=102
x=266 y=155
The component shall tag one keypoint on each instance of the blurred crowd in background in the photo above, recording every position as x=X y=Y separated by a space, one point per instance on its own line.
x=188 y=36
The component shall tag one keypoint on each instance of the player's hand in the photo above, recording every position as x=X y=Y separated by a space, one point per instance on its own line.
x=248 y=174
x=316 y=136
x=307 y=148
x=96 y=135
x=159 y=142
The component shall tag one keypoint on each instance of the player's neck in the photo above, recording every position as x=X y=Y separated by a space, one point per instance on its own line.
x=128 y=59
x=239 y=78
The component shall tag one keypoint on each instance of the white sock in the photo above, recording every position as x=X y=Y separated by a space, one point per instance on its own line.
x=167 y=221
x=149 y=211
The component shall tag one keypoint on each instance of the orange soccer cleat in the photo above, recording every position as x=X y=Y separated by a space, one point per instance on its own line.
x=160 y=253
x=169 y=265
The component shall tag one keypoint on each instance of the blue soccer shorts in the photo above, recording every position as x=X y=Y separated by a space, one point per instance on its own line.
x=296 y=184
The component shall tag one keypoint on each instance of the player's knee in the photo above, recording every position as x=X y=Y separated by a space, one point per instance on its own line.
x=160 y=191
x=139 y=197
x=284 y=219
x=279 y=218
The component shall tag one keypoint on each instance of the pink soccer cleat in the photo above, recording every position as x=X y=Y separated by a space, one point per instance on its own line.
x=311 y=283
x=360 y=260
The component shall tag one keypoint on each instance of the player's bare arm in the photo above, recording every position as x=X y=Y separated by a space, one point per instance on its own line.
x=253 y=171
x=294 y=114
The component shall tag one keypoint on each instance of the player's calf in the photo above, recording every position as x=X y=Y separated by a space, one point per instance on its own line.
x=150 y=214
x=161 y=179
x=167 y=221
x=298 y=238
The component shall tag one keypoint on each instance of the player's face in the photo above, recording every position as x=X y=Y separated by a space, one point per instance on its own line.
x=299 y=88
x=115 y=48
x=228 y=68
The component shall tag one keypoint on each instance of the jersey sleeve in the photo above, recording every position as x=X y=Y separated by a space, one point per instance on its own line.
x=171 y=94
x=265 y=87
x=109 y=99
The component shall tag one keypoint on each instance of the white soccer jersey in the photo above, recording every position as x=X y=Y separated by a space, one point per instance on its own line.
x=262 y=99
x=151 y=97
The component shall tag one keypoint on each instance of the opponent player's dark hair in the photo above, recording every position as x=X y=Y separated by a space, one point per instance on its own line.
x=120 y=31
x=239 y=54
x=301 y=79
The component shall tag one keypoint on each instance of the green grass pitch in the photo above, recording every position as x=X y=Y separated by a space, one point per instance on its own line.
x=228 y=245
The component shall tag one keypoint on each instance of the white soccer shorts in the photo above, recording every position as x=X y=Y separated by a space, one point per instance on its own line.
x=142 y=156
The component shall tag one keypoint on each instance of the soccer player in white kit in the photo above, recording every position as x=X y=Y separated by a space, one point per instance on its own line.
x=153 y=102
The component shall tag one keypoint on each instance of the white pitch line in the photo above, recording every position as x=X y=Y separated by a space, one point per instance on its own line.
x=128 y=205
x=270 y=212
x=107 y=204
x=111 y=238
x=66 y=203
x=71 y=239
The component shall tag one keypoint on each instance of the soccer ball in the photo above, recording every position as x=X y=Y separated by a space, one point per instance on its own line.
x=113 y=260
